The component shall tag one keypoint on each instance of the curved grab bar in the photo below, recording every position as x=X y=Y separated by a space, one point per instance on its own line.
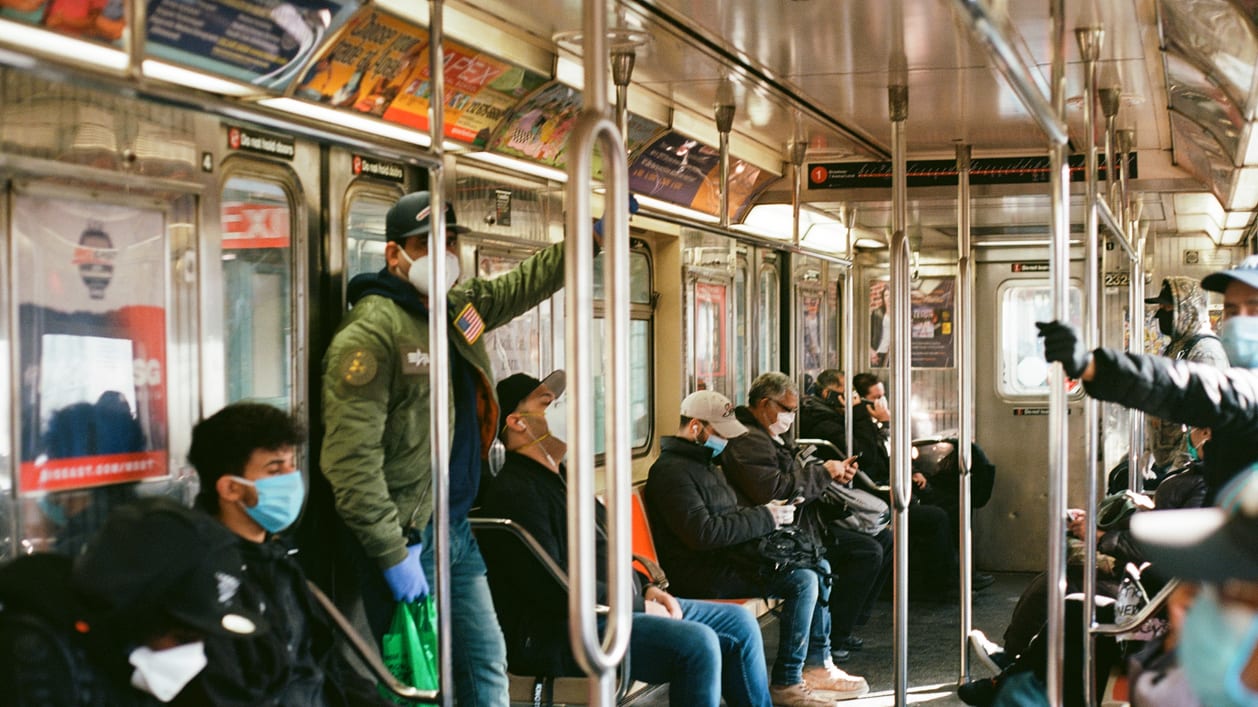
x=368 y=655
x=1155 y=605
x=901 y=478
x=597 y=658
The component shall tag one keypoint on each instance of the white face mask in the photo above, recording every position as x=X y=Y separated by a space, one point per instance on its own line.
x=163 y=674
x=785 y=420
x=418 y=274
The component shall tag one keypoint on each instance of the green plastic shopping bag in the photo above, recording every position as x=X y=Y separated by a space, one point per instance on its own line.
x=409 y=648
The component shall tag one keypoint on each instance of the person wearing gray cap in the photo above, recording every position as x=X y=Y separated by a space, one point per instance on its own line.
x=1217 y=647
x=709 y=544
x=376 y=454
x=1184 y=392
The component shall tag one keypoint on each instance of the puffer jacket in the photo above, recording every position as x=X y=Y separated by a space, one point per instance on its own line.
x=376 y=452
x=1191 y=340
x=1188 y=393
x=696 y=519
x=818 y=419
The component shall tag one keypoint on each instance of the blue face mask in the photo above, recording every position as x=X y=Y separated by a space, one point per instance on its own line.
x=279 y=500
x=1240 y=340
x=1216 y=644
x=716 y=444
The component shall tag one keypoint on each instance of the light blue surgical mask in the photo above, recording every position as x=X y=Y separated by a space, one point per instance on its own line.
x=715 y=443
x=1240 y=340
x=279 y=500
x=1217 y=642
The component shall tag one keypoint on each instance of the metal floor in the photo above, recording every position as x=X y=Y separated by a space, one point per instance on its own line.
x=933 y=646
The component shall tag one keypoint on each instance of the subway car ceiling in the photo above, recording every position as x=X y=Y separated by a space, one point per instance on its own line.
x=808 y=81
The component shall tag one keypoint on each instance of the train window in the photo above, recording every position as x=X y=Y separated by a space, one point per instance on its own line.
x=520 y=345
x=364 y=232
x=257 y=290
x=709 y=327
x=639 y=278
x=1022 y=369
x=639 y=385
x=767 y=318
x=811 y=322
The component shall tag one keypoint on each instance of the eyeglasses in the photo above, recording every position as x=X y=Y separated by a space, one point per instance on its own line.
x=782 y=405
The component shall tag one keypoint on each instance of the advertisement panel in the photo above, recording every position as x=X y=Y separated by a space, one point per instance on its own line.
x=685 y=172
x=931 y=326
x=92 y=353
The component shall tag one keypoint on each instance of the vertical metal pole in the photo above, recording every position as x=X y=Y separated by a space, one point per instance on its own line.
x=1090 y=40
x=135 y=35
x=439 y=347
x=723 y=110
x=597 y=658
x=849 y=330
x=901 y=352
x=797 y=152
x=963 y=332
x=1135 y=307
x=1058 y=439
x=1110 y=98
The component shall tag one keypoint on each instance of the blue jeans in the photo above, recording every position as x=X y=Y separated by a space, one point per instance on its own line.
x=799 y=590
x=819 y=632
x=480 y=654
x=714 y=650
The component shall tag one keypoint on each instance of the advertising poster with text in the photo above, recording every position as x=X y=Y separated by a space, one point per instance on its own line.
x=930 y=329
x=686 y=172
x=262 y=42
x=92 y=343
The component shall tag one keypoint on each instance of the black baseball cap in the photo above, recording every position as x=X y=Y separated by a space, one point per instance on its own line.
x=1207 y=544
x=1246 y=272
x=412 y=216
x=513 y=390
x=1164 y=296
x=156 y=554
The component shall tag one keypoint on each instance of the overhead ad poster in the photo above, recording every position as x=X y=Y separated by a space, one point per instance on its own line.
x=538 y=128
x=262 y=42
x=99 y=20
x=930 y=329
x=92 y=343
x=683 y=171
x=379 y=66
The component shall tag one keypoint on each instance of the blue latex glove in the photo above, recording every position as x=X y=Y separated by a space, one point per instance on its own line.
x=633 y=209
x=406 y=578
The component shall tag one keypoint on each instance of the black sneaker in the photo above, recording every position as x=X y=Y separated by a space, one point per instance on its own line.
x=978 y=692
x=841 y=655
x=980 y=580
x=852 y=643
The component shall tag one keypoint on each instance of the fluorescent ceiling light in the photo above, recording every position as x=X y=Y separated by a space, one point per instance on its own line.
x=1237 y=219
x=570 y=72
x=1245 y=198
x=1231 y=236
x=78 y=52
x=776 y=221
x=1039 y=243
x=869 y=243
x=668 y=207
x=830 y=237
x=523 y=166
x=1198 y=222
x=170 y=73
x=356 y=121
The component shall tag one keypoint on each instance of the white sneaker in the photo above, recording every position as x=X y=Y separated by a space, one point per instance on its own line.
x=797 y=695
x=832 y=680
x=986 y=651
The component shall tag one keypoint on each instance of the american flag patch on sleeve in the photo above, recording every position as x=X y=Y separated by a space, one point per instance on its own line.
x=470 y=324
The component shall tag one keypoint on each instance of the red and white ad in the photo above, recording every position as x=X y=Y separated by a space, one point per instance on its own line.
x=92 y=343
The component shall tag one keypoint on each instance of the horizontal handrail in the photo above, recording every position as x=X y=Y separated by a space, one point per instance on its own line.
x=860 y=477
x=1111 y=224
x=368 y=655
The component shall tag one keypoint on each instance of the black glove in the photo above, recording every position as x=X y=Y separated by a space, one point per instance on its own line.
x=1062 y=344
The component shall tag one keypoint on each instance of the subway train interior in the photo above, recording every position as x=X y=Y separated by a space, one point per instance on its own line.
x=900 y=187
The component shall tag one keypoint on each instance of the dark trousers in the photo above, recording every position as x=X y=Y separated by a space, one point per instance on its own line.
x=932 y=551
x=861 y=564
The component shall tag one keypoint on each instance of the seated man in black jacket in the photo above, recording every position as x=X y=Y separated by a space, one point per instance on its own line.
x=245 y=456
x=705 y=651
x=764 y=465
x=823 y=415
x=707 y=544
x=127 y=622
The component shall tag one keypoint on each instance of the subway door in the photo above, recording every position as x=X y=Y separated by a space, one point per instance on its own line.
x=1011 y=406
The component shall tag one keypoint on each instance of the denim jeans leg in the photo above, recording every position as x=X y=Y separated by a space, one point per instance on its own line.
x=819 y=632
x=798 y=589
x=684 y=654
x=744 y=681
x=479 y=651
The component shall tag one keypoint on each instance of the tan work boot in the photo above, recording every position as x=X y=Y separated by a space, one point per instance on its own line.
x=798 y=695
x=830 y=680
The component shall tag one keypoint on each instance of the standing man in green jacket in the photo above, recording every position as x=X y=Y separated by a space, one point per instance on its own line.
x=376 y=453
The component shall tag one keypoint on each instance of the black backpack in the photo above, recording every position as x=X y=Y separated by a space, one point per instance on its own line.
x=787 y=548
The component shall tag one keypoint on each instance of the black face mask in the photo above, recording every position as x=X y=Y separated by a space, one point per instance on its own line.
x=1166 y=321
